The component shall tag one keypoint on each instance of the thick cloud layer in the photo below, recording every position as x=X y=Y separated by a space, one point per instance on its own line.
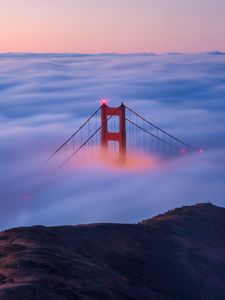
x=44 y=98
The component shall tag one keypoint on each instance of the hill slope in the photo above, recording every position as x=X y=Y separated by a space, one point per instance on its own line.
x=177 y=255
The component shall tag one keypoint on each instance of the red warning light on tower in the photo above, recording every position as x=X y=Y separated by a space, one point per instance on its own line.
x=104 y=101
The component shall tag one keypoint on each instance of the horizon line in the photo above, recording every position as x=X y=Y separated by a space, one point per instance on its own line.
x=112 y=53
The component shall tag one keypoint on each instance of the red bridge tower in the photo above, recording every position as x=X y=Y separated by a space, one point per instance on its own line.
x=117 y=136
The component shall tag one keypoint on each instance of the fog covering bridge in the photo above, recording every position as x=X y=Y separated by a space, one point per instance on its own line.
x=117 y=132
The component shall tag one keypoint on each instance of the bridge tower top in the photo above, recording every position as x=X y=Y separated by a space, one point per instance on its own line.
x=116 y=136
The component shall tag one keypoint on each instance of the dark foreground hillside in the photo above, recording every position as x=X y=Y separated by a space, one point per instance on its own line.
x=178 y=255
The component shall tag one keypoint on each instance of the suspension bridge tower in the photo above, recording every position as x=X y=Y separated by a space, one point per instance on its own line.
x=118 y=136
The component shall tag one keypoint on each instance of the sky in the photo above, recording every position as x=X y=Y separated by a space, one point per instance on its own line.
x=93 y=26
x=45 y=98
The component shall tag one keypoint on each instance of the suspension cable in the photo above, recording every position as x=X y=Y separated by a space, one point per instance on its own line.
x=81 y=146
x=155 y=136
x=75 y=133
x=156 y=127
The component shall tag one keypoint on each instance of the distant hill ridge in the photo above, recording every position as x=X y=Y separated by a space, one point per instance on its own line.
x=177 y=255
